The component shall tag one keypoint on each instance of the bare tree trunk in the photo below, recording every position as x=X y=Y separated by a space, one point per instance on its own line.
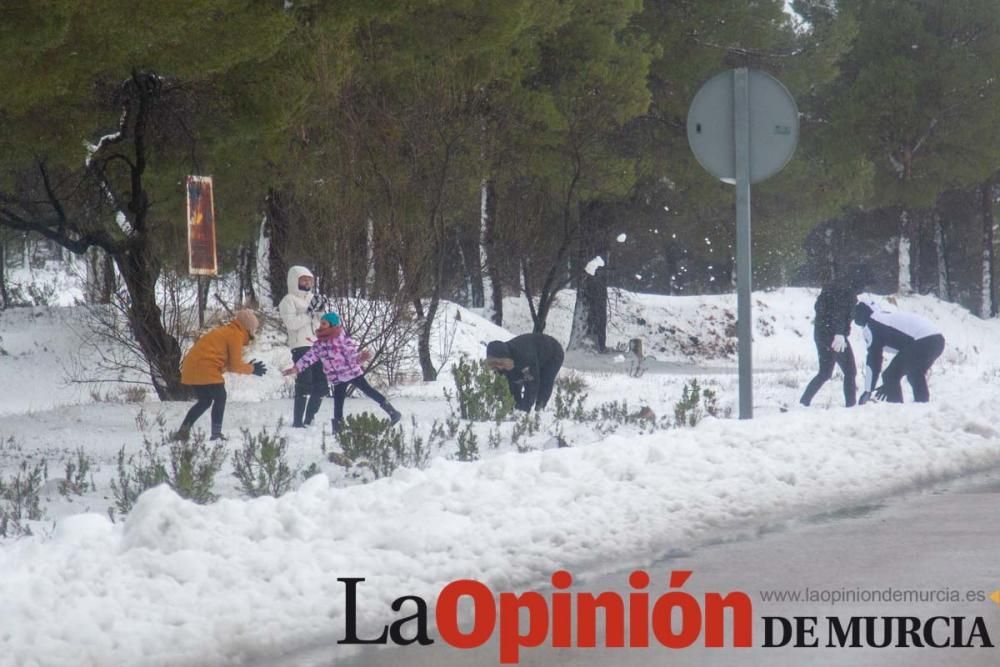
x=905 y=283
x=590 y=312
x=161 y=350
x=4 y=298
x=109 y=278
x=490 y=252
x=203 y=285
x=277 y=229
x=944 y=284
x=988 y=307
x=468 y=246
x=246 y=263
x=427 y=370
x=369 y=284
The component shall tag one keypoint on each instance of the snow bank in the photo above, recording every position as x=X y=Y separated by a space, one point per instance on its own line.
x=179 y=583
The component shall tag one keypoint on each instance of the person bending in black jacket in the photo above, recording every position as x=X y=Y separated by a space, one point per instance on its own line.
x=831 y=330
x=530 y=362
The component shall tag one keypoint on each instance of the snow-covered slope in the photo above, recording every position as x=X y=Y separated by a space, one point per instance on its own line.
x=176 y=583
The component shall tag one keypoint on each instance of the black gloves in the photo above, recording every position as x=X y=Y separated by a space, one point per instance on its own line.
x=878 y=394
x=258 y=367
x=318 y=304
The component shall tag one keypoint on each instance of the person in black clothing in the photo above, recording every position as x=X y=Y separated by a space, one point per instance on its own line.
x=831 y=330
x=918 y=344
x=530 y=363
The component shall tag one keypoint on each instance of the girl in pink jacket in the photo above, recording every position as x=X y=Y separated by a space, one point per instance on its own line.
x=338 y=353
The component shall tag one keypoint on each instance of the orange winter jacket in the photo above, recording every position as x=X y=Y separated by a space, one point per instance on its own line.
x=221 y=349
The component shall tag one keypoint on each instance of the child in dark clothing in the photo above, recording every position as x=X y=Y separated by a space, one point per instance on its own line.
x=338 y=353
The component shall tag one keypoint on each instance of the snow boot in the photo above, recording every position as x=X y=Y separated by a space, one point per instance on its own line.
x=181 y=434
x=298 y=408
x=217 y=433
x=393 y=413
x=312 y=407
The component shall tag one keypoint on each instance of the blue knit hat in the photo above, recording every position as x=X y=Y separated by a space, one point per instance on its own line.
x=333 y=319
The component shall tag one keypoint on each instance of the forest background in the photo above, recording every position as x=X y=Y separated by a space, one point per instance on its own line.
x=418 y=151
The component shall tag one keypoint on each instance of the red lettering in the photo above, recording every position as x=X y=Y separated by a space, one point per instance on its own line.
x=614 y=620
x=690 y=614
x=511 y=639
x=484 y=614
x=638 y=611
x=715 y=619
x=562 y=615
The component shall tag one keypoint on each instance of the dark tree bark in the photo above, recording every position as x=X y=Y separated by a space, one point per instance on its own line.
x=4 y=298
x=590 y=316
x=490 y=249
x=989 y=287
x=140 y=272
x=204 y=284
x=246 y=268
x=907 y=259
x=107 y=277
x=277 y=228
x=941 y=246
x=468 y=245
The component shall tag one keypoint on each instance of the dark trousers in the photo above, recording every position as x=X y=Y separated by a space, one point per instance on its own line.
x=208 y=395
x=913 y=362
x=548 y=371
x=827 y=359
x=311 y=381
x=340 y=393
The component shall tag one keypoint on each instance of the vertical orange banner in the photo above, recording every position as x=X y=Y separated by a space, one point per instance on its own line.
x=201 y=227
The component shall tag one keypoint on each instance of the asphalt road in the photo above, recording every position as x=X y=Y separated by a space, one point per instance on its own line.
x=942 y=542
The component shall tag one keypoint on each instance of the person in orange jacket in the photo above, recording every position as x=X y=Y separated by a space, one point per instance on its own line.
x=219 y=350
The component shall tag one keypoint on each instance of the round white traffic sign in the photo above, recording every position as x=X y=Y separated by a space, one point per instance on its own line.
x=774 y=126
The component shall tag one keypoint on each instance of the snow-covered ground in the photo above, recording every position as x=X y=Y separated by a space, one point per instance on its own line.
x=174 y=583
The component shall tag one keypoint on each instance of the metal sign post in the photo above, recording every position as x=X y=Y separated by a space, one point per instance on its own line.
x=743 y=127
x=744 y=274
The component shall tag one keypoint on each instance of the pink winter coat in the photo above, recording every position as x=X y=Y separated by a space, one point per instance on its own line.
x=339 y=356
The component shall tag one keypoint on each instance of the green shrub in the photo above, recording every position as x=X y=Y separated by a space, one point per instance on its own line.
x=528 y=423
x=261 y=465
x=570 y=397
x=370 y=442
x=695 y=403
x=189 y=469
x=468 y=445
x=20 y=499
x=141 y=471
x=193 y=467
x=481 y=394
x=76 y=475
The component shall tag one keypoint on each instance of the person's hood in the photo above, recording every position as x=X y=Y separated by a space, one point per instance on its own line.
x=863 y=310
x=294 y=273
x=498 y=349
x=498 y=356
x=247 y=321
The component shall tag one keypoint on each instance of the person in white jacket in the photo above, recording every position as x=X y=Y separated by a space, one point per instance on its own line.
x=300 y=311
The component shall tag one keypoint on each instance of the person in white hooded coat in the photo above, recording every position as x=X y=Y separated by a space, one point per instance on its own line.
x=300 y=311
